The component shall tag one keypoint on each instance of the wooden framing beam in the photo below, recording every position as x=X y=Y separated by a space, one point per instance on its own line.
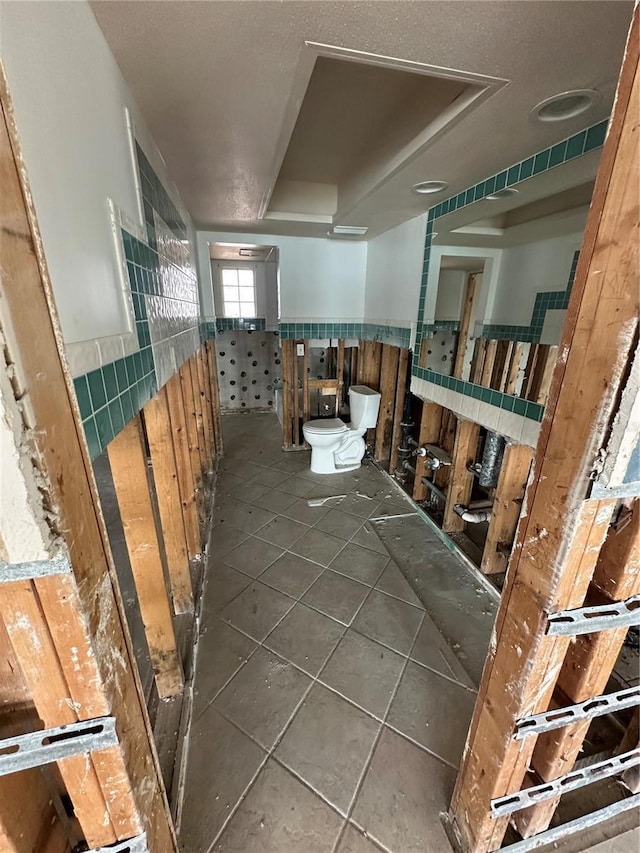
x=460 y=479
x=507 y=504
x=287 y=375
x=340 y=376
x=513 y=369
x=204 y=390
x=430 y=426
x=203 y=444
x=488 y=363
x=477 y=362
x=159 y=436
x=388 y=381
x=191 y=421
x=184 y=472
x=215 y=396
x=587 y=666
x=129 y=469
x=401 y=390
x=68 y=634
x=465 y=325
x=295 y=389
x=560 y=538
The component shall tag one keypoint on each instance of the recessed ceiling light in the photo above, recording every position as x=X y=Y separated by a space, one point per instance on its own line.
x=428 y=187
x=348 y=230
x=507 y=192
x=565 y=105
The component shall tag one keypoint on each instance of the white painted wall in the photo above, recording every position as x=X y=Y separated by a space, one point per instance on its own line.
x=69 y=99
x=525 y=270
x=394 y=268
x=451 y=290
x=319 y=278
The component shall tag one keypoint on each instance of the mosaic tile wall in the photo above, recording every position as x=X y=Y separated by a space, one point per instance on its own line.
x=393 y=335
x=164 y=293
x=248 y=369
x=575 y=146
x=244 y=324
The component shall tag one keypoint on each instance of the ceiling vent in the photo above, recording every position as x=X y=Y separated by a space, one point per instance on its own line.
x=348 y=231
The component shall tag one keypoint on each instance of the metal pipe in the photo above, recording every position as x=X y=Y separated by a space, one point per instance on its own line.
x=432 y=487
x=492 y=454
x=408 y=467
x=473 y=516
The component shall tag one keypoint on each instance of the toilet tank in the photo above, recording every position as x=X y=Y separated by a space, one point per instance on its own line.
x=364 y=403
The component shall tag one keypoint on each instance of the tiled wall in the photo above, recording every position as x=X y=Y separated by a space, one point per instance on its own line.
x=245 y=324
x=393 y=335
x=164 y=294
x=575 y=146
x=248 y=369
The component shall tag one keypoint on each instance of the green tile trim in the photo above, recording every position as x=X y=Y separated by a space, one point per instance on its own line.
x=232 y=324
x=567 y=149
x=112 y=395
x=533 y=411
x=393 y=335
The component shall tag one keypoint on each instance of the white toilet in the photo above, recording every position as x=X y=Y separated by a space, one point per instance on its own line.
x=336 y=446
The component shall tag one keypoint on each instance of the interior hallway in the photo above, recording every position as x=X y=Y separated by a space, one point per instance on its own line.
x=326 y=704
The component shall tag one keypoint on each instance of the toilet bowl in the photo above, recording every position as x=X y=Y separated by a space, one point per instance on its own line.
x=336 y=446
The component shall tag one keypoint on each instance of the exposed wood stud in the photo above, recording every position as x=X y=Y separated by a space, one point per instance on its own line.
x=489 y=361
x=529 y=371
x=204 y=389
x=184 y=472
x=215 y=396
x=295 y=389
x=104 y=672
x=129 y=468
x=388 y=380
x=401 y=390
x=191 y=418
x=287 y=367
x=340 y=377
x=513 y=369
x=430 y=426
x=165 y=475
x=500 y=364
x=306 y=391
x=465 y=325
x=460 y=480
x=507 y=504
x=477 y=362
x=203 y=444
x=560 y=538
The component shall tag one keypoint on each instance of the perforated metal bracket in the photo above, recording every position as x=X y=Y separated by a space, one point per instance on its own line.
x=566 y=830
x=131 y=845
x=528 y=797
x=35 y=569
x=49 y=745
x=587 y=710
x=587 y=620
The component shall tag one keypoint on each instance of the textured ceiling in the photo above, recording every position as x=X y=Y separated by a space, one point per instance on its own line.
x=220 y=85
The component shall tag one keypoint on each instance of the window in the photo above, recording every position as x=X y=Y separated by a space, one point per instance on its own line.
x=238 y=292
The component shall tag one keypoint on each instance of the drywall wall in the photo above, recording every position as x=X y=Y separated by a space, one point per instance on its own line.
x=394 y=268
x=319 y=278
x=70 y=103
x=527 y=269
x=451 y=289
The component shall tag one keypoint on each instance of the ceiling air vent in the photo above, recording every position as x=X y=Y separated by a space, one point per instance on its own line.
x=348 y=231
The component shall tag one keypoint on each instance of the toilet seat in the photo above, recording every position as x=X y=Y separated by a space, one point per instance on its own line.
x=328 y=426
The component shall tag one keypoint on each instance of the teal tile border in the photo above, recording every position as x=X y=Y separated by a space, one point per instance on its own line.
x=393 y=335
x=534 y=411
x=110 y=396
x=567 y=149
x=251 y=324
x=546 y=300
x=207 y=330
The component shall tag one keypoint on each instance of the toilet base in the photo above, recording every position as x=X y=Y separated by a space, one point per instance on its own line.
x=321 y=466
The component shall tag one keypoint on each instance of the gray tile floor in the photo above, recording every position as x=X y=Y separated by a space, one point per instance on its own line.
x=329 y=714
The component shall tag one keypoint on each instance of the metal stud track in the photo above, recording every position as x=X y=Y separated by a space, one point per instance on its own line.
x=49 y=745
x=131 y=845
x=502 y=806
x=587 y=620
x=587 y=710
x=565 y=830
